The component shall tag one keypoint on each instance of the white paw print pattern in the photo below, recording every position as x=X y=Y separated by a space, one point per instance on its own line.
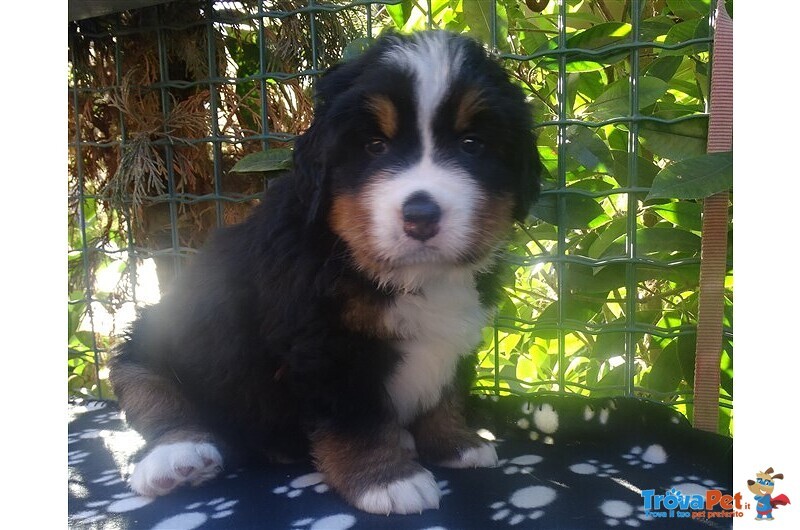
x=522 y=464
x=340 y=521
x=197 y=514
x=109 y=477
x=97 y=511
x=646 y=458
x=594 y=467
x=313 y=481
x=623 y=513
x=541 y=420
x=599 y=414
x=694 y=485
x=524 y=504
x=316 y=482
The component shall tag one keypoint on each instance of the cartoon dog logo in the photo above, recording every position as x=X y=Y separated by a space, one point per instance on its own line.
x=762 y=487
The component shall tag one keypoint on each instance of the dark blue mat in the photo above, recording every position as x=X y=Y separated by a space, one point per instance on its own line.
x=568 y=463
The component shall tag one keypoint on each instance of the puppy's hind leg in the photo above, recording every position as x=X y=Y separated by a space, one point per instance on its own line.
x=179 y=451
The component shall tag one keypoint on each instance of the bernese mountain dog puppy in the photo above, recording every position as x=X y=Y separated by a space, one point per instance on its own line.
x=338 y=321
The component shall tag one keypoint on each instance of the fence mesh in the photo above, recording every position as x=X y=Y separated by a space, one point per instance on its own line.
x=602 y=293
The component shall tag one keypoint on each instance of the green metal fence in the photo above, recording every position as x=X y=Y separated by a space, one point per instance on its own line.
x=603 y=279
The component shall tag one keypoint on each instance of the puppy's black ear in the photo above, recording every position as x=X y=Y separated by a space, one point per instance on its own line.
x=310 y=170
x=529 y=183
x=312 y=150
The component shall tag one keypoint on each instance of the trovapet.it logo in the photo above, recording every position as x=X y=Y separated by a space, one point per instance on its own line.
x=675 y=505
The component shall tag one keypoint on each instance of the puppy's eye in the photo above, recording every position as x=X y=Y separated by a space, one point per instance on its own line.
x=376 y=146
x=472 y=145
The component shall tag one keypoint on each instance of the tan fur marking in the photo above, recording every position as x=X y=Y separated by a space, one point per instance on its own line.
x=350 y=220
x=386 y=114
x=493 y=222
x=441 y=433
x=362 y=311
x=364 y=314
x=353 y=465
x=471 y=103
x=153 y=405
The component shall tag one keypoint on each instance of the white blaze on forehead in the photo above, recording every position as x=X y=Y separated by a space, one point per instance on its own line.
x=434 y=60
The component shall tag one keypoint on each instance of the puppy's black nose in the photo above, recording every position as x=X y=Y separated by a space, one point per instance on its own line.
x=421 y=216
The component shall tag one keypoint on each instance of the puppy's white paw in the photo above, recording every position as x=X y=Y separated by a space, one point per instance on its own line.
x=171 y=465
x=483 y=455
x=410 y=495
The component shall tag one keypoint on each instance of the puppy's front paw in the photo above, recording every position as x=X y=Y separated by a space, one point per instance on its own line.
x=171 y=465
x=375 y=474
x=483 y=455
x=405 y=496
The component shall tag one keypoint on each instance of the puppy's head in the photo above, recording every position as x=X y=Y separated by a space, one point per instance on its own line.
x=420 y=156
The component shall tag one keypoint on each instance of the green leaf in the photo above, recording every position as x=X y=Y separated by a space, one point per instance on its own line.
x=400 y=12
x=687 y=215
x=611 y=233
x=589 y=85
x=586 y=148
x=526 y=369
x=666 y=240
x=726 y=371
x=615 y=101
x=676 y=141
x=659 y=240
x=666 y=373
x=594 y=183
x=694 y=178
x=687 y=353
x=477 y=15
x=591 y=280
x=601 y=280
x=356 y=47
x=278 y=159
x=75 y=313
x=600 y=35
x=83 y=338
x=594 y=38
x=646 y=170
x=608 y=345
x=574 y=309
x=579 y=212
x=652 y=28
x=686 y=31
x=685 y=276
x=613 y=378
x=664 y=68
x=688 y=9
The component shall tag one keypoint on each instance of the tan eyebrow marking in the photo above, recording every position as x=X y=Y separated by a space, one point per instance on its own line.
x=386 y=114
x=471 y=103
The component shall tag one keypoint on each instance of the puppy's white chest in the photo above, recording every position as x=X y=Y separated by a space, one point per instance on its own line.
x=438 y=324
